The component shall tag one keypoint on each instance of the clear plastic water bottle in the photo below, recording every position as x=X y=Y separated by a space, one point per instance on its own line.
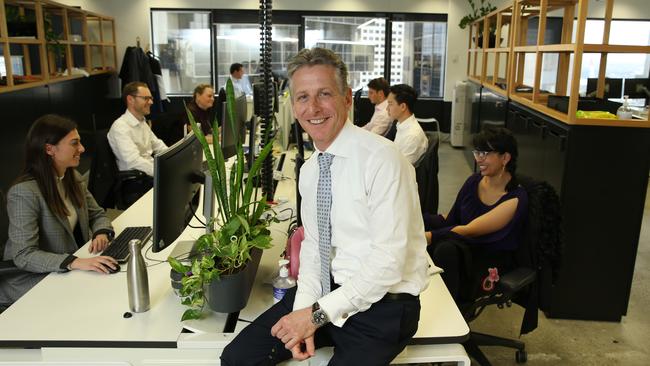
x=137 y=279
x=624 y=111
x=283 y=282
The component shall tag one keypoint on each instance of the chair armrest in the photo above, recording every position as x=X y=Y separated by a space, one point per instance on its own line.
x=124 y=175
x=7 y=267
x=517 y=279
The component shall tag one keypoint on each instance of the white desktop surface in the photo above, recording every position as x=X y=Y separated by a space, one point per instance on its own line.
x=79 y=315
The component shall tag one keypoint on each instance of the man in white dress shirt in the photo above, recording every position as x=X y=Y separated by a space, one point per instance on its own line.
x=132 y=140
x=378 y=90
x=371 y=243
x=240 y=82
x=409 y=138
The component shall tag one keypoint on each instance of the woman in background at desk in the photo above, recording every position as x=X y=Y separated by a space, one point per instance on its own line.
x=201 y=107
x=485 y=223
x=51 y=213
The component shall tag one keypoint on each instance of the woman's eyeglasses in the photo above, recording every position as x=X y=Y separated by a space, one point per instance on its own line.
x=480 y=155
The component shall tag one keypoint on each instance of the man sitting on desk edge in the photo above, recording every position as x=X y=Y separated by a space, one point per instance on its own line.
x=362 y=263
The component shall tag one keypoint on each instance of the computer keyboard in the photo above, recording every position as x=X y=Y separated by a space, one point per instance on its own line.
x=119 y=247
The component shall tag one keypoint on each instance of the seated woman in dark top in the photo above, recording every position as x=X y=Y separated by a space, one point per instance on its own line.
x=51 y=213
x=485 y=223
x=202 y=108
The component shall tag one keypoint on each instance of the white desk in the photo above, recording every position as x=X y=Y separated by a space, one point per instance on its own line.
x=78 y=316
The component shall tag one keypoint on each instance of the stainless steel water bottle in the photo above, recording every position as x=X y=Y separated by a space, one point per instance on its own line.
x=137 y=280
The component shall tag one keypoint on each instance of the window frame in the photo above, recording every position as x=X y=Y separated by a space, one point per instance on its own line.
x=294 y=17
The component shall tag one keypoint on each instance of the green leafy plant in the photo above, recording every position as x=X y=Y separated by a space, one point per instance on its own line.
x=477 y=11
x=226 y=250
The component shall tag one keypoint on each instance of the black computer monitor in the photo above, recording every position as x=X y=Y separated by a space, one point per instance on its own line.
x=176 y=187
x=229 y=138
x=613 y=88
x=637 y=88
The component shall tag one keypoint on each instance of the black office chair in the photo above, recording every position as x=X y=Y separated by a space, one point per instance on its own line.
x=391 y=131
x=6 y=266
x=357 y=110
x=106 y=182
x=426 y=175
x=528 y=284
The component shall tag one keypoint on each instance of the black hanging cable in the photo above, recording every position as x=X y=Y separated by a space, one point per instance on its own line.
x=268 y=133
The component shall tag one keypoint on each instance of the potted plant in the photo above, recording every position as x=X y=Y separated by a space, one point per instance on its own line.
x=477 y=12
x=56 y=48
x=227 y=258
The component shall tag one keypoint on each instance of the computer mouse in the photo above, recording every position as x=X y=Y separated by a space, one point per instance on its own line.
x=111 y=270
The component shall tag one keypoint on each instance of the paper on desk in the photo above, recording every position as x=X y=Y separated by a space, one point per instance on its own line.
x=434 y=270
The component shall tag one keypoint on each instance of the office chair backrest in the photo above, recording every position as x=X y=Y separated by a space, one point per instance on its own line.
x=4 y=223
x=426 y=174
x=103 y=171
x=541 y=245
x=391 y=131
x=357 y=110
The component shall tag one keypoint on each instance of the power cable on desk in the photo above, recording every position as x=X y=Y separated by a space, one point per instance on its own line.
x=197 y=218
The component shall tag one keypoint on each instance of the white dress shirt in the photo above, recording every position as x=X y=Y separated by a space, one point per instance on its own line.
x=380 y=121
x=133 y=144
x=378 y=242
x=241 y=86
x=410 y=139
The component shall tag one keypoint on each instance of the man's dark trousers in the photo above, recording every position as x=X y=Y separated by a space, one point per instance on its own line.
x=373 y=337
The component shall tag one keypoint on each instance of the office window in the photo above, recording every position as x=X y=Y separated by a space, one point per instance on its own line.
x=619 y=66
x=421 y=56
x=240 y=43
x=181 y=40
x=343 y=35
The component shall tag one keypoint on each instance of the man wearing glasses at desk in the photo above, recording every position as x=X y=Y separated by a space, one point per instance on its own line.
x=130 y=136
x=133 y=142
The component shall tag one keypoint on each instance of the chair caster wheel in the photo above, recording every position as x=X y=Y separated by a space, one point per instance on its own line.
x=521 y=356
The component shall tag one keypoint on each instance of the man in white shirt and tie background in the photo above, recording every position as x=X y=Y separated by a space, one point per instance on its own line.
x=363 y=260
x=378 y=90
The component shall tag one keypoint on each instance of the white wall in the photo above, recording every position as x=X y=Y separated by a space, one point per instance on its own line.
x=132 y=18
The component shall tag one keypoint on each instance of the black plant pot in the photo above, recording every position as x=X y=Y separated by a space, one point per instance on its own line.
x=21 y=29
x=492 y=40
x=230 y=293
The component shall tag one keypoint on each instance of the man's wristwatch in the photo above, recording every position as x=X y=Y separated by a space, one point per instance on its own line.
x=318 y=315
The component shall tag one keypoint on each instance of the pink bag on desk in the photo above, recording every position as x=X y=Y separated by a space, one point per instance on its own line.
x=292 y=251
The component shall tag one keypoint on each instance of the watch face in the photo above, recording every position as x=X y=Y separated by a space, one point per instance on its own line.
x=319 y=317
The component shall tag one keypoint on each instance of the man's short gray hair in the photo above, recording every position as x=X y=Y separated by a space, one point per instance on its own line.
x=320 y=56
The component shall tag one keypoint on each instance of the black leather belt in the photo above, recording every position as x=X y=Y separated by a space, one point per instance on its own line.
x=387 y=298
x=399 y=297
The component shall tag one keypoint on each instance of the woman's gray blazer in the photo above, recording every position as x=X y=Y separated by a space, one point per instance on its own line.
x=40 y=241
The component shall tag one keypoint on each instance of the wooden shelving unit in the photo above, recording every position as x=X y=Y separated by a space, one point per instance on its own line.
x=569 y=55
x=490 y=56
x=42 y=42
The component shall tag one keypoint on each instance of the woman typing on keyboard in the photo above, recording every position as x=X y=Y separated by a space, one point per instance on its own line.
x=51 y=213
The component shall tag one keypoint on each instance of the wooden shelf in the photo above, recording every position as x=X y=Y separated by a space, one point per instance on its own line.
x=53 y=20
x=569 y=61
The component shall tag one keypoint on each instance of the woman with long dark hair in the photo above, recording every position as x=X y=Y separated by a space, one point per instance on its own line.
x=51 y=213
x=484 y=226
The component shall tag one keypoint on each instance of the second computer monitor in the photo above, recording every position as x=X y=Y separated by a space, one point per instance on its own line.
x=230 y=137
x=175 y=189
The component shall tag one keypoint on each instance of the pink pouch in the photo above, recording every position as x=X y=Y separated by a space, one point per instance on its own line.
x=292 y=252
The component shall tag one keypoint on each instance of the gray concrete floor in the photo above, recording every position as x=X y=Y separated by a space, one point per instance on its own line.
x=563 y=342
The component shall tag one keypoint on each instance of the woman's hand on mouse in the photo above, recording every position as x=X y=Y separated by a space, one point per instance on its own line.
x=98 y=244
x=98 y=264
